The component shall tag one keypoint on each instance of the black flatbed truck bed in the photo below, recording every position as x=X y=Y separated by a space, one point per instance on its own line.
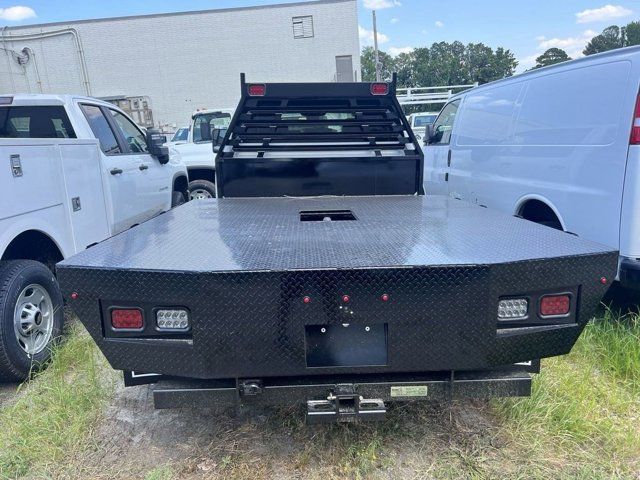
x=344 y=302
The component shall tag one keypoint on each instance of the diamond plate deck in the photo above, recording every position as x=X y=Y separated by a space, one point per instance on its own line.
x=267 y=234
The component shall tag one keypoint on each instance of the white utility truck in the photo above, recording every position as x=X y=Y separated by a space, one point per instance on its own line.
x=74 y=171
x=196 y=151
x=558 y=146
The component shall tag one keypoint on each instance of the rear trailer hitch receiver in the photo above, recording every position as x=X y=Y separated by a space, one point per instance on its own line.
x=344 y=405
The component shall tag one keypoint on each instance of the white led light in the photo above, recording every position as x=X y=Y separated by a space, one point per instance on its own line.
x=172 y=319
x=513 y=308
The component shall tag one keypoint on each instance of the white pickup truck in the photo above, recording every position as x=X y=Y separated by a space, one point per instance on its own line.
x=73 y=172
x=197 y=153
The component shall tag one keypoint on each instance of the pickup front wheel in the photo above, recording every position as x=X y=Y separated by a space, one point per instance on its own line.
x=31 y=317
x=200 y=189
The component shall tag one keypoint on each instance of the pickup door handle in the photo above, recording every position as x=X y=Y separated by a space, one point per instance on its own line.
x=116 y=171
x=143 y=167
x=449 y=158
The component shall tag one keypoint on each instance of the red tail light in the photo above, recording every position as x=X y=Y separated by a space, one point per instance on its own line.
x=257 y=90
x=554 y=305
x=129 y=318
x=379 y=88
x=635 y=128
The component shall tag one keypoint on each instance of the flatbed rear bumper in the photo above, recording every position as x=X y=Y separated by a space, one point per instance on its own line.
x=343 y=397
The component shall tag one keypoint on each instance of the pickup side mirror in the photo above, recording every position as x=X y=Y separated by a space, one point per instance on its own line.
x=429 y=134
x=217 y=137
x=155 y=144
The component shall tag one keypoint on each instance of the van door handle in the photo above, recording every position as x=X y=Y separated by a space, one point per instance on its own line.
x=449 y=158
x=144 y=167
x=116 y=171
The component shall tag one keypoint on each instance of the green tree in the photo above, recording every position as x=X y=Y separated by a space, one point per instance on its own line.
x=632 y=31
x=368 y=65
x=611 y=37
x=404 y=65
x=505 y=63
x=551 y=57
x=442 y=64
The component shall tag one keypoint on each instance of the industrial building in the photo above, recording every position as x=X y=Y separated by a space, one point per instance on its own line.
x=162 y=67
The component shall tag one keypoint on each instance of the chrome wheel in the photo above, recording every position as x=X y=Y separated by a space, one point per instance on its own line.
x=33 y=319
x=200 y=194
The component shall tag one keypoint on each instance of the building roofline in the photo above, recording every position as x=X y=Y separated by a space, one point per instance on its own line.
x=170 y=14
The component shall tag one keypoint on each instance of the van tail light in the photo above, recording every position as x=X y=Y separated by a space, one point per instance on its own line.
x=635 y=128
x=555 y=305
x=257 y=90
x=379 y=88
x=127 y=319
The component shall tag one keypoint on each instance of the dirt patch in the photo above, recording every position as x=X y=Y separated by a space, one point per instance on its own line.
x=415 y=441
x=8 y=392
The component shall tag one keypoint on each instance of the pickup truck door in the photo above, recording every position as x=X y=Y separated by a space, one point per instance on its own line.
x=153 y=186
x=437 y=154
x=120 y=171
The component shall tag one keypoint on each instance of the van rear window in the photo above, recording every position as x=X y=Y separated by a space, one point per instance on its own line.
x=35 y=122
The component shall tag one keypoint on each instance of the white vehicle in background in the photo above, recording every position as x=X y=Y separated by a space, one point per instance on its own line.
x=419 y=122
x=197 y=151
x=74 y=172
x=558 y=145
x=181 y=135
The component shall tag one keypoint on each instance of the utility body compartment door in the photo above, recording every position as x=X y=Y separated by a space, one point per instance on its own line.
x=85 y=193
x=34 y=183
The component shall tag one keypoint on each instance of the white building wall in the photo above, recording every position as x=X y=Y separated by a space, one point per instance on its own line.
x=183 y=61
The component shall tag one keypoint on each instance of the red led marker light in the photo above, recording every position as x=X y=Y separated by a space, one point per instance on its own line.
x=379 y=88
x=130 y=318
x=384 y=297
x=603 y=280
x=257 y=90
x=553 y=305
x=74 y=295
x=306 y=299
x=345 y=298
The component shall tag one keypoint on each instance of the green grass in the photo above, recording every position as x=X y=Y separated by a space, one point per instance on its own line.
x=583 y=417
x=57 y=410
x=164 y=472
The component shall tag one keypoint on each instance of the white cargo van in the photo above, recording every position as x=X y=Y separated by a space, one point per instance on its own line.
x=559 y=146
x=73 y=172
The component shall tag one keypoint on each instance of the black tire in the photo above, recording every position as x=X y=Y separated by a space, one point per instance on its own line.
x=177 y=199
x=201 y=186
x=15 y=275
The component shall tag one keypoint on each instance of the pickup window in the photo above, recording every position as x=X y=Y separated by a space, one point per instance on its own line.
x=101 y=129
x=203 y=124
x=35 y=122
x=132 y=135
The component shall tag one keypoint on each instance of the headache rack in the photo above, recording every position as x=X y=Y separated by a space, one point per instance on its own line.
x=309 y=139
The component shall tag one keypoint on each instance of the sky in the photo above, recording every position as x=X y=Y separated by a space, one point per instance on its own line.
x=526 y=27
